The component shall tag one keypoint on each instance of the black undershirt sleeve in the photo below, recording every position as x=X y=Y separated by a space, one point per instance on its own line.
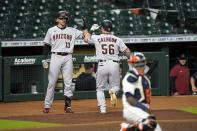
x=46 y=50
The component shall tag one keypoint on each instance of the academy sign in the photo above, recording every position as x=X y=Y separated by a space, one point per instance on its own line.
x=24 y=61
x=90 y=59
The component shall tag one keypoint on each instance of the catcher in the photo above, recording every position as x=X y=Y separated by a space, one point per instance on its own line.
x=136 y=97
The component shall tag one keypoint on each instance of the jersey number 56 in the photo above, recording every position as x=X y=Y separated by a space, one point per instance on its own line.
x=107 y=49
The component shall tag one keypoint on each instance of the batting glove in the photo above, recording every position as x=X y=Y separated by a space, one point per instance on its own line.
x=95 y=27
x=81 y=22
x=45 y=64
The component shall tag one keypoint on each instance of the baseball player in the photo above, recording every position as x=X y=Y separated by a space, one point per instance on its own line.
x=107 y=47
x=136 y=97
x=60 y=40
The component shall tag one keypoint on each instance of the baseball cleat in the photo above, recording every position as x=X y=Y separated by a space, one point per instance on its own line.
x=103 y=112
x=68 y=110
x=46 y=110
x=113 y=97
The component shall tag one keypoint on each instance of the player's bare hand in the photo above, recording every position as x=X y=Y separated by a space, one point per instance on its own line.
x=176 y=94
x=45 y=64
x=194 y=89
x=87 y=36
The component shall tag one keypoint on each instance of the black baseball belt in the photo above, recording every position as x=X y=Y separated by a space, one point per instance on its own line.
x=61 y=53
x=106 y=60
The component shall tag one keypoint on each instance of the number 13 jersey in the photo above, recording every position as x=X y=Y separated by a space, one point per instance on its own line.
x=62 y=40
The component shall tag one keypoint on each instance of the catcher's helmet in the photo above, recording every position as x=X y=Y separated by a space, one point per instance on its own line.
x=137 y=61
x=107 y=25
x=62 y=14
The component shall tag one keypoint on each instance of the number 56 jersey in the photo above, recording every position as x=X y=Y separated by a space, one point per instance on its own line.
x=107 y=46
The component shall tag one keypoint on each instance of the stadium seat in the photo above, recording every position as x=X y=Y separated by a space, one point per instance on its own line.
x=189 y=8
x=182 y=31
x=156 y=4
x=127 y=16
x=167 y=28
x=148 y=25
x=171 y=5
x=187 y=5
x=195 y=4
x=137 y=3
x=108 y=6
x=42 y=15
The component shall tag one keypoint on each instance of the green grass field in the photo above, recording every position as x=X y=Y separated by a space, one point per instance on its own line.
x=190 y=109
x=13 y=124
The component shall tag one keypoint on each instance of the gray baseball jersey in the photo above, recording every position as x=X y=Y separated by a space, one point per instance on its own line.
x=107 y=47
x=60 y=40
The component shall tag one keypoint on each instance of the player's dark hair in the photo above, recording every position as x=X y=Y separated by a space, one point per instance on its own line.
x=88 y=65
x=182 y=57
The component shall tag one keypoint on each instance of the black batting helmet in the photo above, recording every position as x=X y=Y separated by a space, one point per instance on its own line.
x=107 y=25
x=62 y=14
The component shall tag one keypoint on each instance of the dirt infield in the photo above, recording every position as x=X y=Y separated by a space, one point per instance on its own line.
x=87 y=118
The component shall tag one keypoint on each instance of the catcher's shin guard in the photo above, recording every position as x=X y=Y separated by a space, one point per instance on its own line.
x=113 y=97
x=148 y=124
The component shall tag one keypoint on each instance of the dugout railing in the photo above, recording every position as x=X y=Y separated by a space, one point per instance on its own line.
x=24 y=79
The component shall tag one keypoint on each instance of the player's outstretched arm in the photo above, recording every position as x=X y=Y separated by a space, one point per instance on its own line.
x=89 y=34
x=46 y=50
x=82 y=24
x=86 y=34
